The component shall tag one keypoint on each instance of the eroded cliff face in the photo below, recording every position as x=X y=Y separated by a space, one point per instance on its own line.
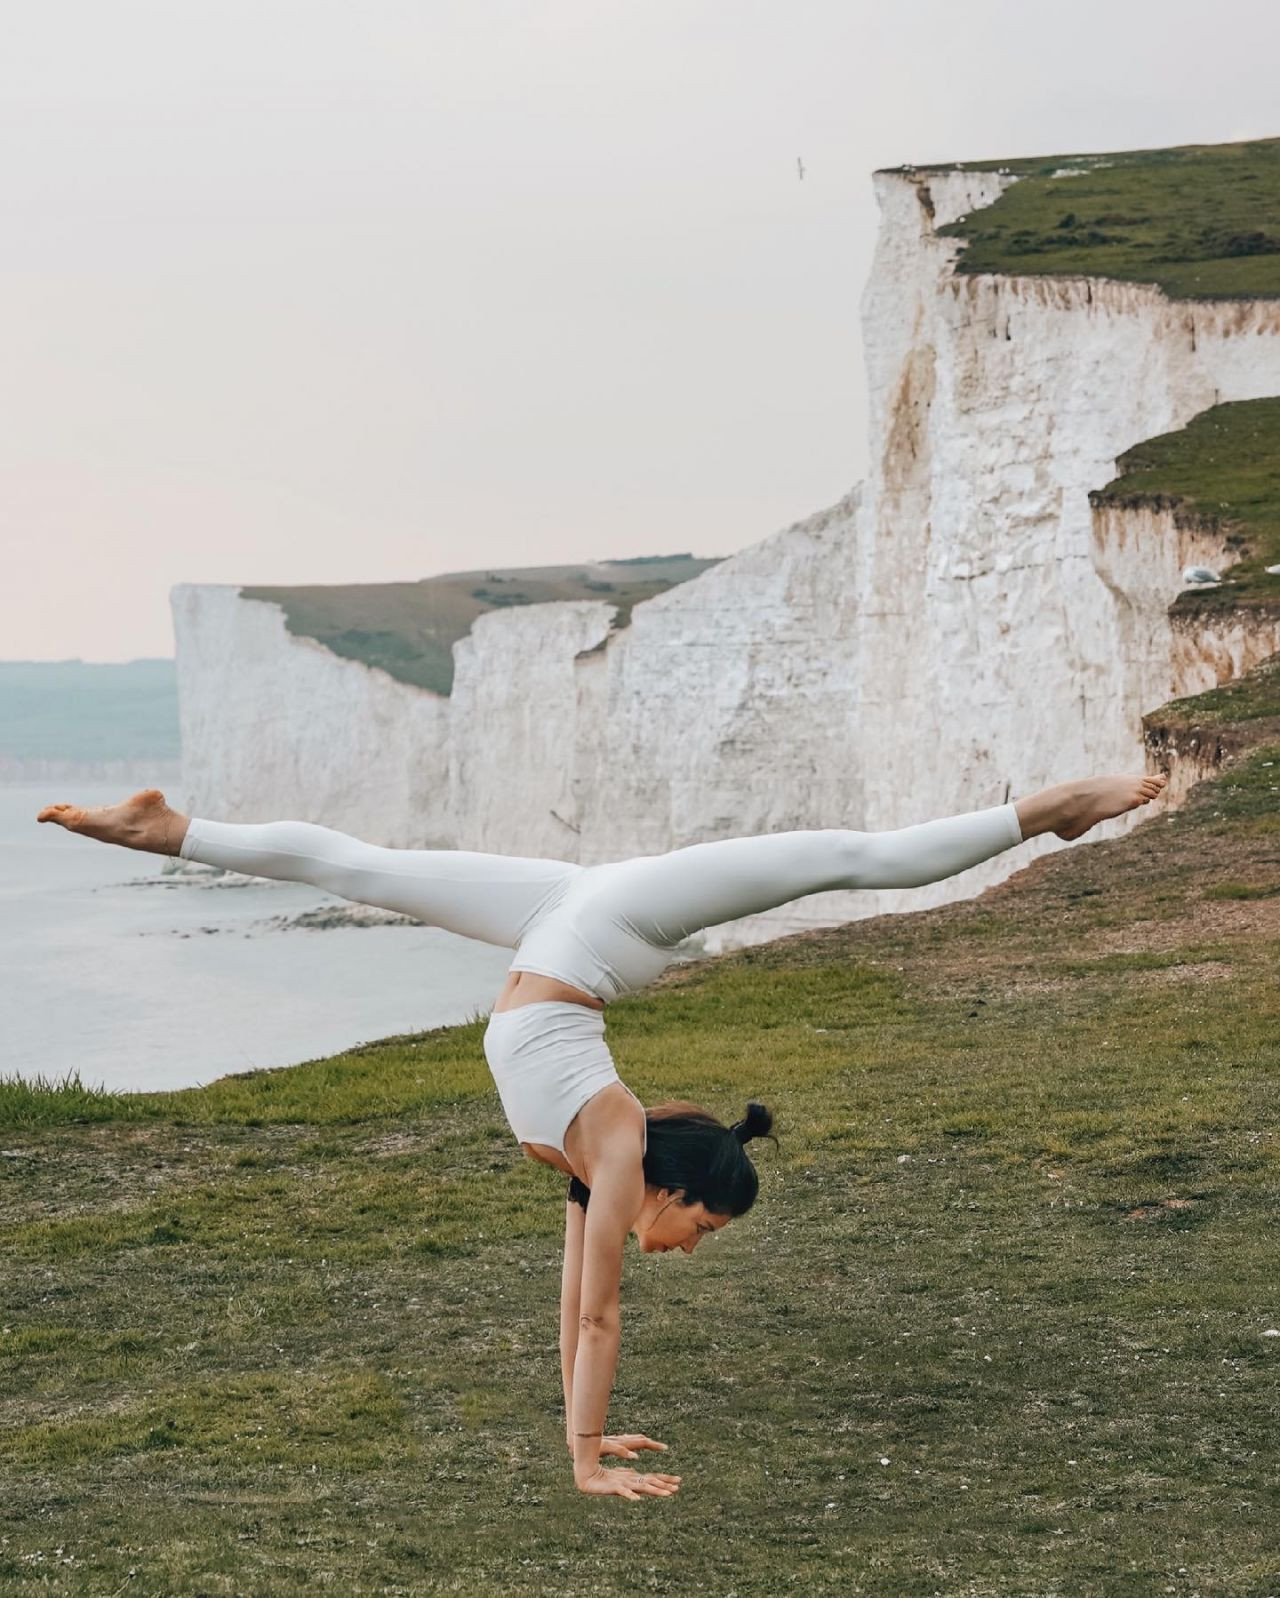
x=1020 y=620
x=958 y=631
x=522 y=695
x=277 y=726
x=1140 y=552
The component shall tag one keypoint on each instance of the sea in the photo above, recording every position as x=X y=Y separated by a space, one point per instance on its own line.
x=134 y=978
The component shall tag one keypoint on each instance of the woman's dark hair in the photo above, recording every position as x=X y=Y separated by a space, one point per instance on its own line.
x=689 y=1149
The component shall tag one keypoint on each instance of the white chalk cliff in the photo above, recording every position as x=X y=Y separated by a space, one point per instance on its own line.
x=959 y=629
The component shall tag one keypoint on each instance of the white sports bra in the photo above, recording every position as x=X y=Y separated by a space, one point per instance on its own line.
x=547 y=1060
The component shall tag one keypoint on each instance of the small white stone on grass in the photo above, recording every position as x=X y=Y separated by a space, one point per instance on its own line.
x=884 y=1461
x=1271 y=1332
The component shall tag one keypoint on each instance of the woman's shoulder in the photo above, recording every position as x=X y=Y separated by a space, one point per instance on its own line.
x=605 y=1130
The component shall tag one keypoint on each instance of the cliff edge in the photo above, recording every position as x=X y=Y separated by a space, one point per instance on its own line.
x=963 y=626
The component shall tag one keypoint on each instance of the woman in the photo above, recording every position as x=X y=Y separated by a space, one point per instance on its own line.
x=585 y=935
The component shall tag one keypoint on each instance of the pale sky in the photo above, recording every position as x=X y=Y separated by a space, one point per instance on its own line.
x=319 y=291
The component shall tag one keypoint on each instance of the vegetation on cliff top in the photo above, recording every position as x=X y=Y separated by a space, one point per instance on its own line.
x=1246 y=711
x=998 y=1322
x=1200 y=221
x=1222 y=467
x=409 y=629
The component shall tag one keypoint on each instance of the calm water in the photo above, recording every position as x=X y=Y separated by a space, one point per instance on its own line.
x=140 y=981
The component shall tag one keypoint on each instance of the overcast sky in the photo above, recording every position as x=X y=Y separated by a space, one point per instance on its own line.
x=316 y=291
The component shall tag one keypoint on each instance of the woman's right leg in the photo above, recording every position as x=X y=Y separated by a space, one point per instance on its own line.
x=487 y=896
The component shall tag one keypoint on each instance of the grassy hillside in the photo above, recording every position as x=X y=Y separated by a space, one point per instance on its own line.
x=409 y=629
x=1201 y=221
x=996 y=1325
x=1222 y=467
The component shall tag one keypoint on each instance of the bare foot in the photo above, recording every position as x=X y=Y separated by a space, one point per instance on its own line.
x=1081 y=805
x=143 y=821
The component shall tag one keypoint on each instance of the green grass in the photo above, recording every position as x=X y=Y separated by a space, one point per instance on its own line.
x=1223 y=467
x=1199 y=221
x=393 y=1076
x=1239 y=705
x=297 y=1330
x=409 y=629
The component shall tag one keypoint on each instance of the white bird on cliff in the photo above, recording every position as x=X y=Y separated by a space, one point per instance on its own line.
x=1200 y=577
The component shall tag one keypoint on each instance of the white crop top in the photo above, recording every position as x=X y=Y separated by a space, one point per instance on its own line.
x=547 y=1060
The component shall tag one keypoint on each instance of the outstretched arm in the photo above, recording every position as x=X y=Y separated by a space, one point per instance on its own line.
x=575 y=1225
x=622 y=1445
x=617 y=1193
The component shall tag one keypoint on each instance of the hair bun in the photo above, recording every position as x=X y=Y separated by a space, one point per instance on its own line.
x=757 y=1122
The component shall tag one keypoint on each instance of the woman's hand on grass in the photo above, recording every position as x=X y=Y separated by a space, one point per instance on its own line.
x=621 y=1483
x=625 y=1445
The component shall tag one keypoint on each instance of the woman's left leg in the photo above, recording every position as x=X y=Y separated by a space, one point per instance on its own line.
x=665 y=898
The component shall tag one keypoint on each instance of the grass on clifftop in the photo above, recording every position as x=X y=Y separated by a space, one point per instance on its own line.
x=997 y=1324
x=1201 y=221
x=1251 y=702
x=1223 y=467
x=409 y=629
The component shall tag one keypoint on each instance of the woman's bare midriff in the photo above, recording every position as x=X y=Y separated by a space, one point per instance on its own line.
x=530 y=987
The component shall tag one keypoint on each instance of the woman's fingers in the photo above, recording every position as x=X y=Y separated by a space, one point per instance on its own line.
x=625 y=1445
x=632 y=1484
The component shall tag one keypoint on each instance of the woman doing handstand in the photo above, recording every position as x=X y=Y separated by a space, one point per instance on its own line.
x=584 y=935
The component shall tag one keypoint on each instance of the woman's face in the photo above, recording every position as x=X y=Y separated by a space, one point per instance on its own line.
x=666 y=1222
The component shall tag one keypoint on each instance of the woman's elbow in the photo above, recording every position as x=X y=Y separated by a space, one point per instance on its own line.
x=605 y=1322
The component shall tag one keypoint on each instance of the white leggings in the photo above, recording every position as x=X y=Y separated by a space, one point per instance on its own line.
x=610 y=928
